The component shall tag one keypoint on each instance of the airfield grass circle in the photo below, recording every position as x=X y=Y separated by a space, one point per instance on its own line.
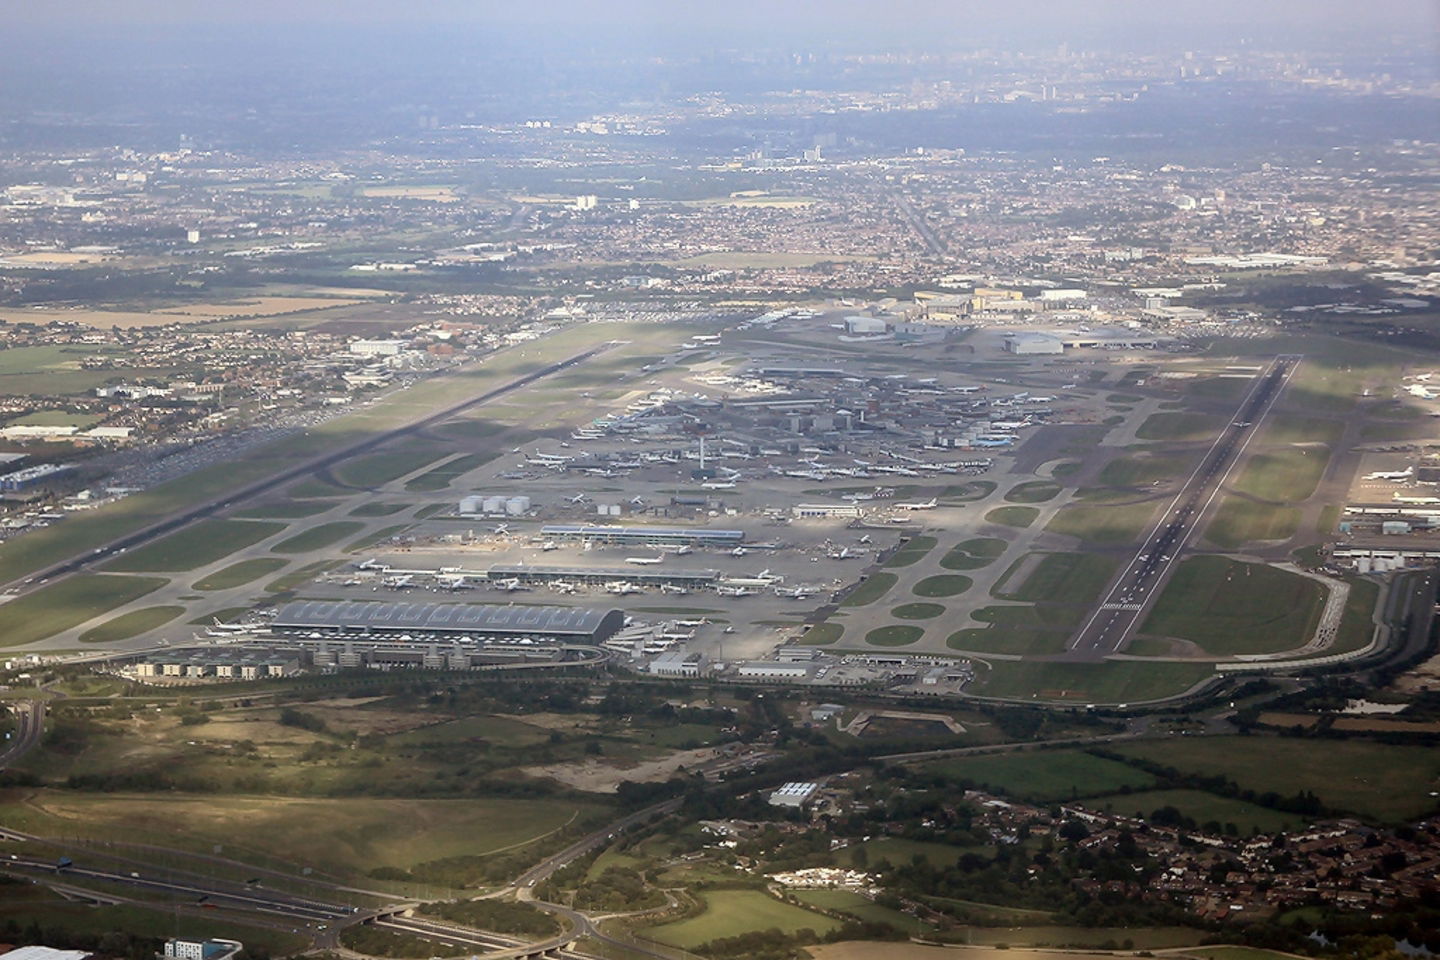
x=918 y=611
x=1033 y=491
x=944 y=585
x=895 y=635
x=1012 y=516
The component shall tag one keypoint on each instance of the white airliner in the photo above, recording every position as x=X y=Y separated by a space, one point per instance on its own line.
x=1391 y=474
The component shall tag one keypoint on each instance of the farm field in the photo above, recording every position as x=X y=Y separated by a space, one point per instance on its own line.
x=729 y=913
x=1044 y=776
x=1203 y=808
x=194 y=546
x=1383 y=782
x=66 y=604
x=847 y=901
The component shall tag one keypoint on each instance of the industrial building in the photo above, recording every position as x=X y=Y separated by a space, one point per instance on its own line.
x=228 y=663
x=1031 y=344
x=29 y=477
x=794 y=795
x=654 y=536
x=317 y=619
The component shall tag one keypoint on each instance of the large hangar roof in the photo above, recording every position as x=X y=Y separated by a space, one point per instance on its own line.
x=458 y=617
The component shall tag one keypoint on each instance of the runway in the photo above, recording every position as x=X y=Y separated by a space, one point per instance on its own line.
x=1130 y=595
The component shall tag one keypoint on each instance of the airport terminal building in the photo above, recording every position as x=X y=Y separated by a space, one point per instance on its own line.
x=325 y=619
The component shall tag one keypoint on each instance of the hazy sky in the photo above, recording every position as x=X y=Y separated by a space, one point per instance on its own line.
x=823 y=18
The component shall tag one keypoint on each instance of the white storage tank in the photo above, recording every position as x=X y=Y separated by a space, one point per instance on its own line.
x=471 y=504
x=494 y=505
x=517 y=506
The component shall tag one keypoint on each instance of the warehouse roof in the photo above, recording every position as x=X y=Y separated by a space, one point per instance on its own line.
x=480 y=618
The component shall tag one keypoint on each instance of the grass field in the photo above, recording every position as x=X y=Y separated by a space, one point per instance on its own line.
x=1012 y=516
x=1287 y=475
x=379 y=509
x=376 y=469
x=66 y=604
x=1229 y=607
x=1019 y=629
x=1144 y=469
x=894 y=635
x=918 y=611
x=1295 y=429
x=317 y=537
x=298 y=576
x=344 y=836
x=1067 y=578
x=942 y=585
x=1203 y=808
x=1112 y=681
x=1046 y=776
x=912 y=551
x=1240 y=521
x=973 y=554
x=1183 y=427
x=194 y=546
x=1379 y=781
x=823 y=634
x=872 y=589
x=285 y=510
x=729 y=913
x=1108 y=523
x=1032 y=491
x=239 y=574
x=131 y=624
x=449 y=471
x=848 y=901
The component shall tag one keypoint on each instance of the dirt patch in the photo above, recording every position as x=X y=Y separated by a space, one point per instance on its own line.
x=605 y=776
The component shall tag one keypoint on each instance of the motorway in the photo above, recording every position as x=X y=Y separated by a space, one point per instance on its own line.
x=29 y=726
x=1132 y=593
x=231 y=498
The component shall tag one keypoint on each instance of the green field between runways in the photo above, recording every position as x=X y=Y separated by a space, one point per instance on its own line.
x=197 y=545
x=1012 y=516
x=1067 y=578
x=131 y=624
x=871 y=589
x=1109 y=523
x=239 y=574
x=1240 y=521
x=72 y=601
x=974 y=553
x=318 y=537
x=1229 y=607
x=1283 y=476
x=911 y=551
x=1183 y=427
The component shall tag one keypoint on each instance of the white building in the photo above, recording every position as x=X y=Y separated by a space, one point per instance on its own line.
x=376 y=348
x=1031 y=344
x=202 y=949
x=677 y=663
x=864 y=325
x=794 y=795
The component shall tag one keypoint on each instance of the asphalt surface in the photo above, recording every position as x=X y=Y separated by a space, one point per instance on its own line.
x=1132 y=593
x=29 y=726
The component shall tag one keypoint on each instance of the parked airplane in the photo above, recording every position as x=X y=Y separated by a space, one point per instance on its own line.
x=923 y=505
x=1391 y=474
x=645 y=561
